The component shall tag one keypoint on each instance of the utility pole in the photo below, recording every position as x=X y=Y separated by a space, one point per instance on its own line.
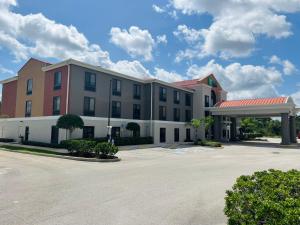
x=109 y=127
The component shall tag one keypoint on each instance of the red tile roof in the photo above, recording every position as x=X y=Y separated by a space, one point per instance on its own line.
x=186 y=83
x=251 y=102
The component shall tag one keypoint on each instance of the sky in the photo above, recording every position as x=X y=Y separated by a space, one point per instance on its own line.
x=251 y=46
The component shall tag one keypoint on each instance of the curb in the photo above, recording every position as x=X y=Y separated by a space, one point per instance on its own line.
x=67 y=157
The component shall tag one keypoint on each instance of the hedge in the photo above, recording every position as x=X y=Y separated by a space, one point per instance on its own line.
x=6 y=140
x=209 y=143
x=42 y=144
x=123 y=141
x=268 y=197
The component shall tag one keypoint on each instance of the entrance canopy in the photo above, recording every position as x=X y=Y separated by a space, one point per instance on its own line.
x=261 y=107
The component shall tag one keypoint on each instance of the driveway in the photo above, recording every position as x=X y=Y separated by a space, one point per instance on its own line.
x=155 y=186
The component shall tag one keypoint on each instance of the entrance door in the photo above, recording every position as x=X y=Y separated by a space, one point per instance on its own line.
x=188 y=134
x=26 y=133
x=54 y=135
x=176 y=134
x=162 y=135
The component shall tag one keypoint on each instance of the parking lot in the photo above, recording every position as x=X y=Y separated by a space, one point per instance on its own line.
x=156 y=186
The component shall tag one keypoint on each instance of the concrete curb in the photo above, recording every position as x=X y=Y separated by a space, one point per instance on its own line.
x=66 y=157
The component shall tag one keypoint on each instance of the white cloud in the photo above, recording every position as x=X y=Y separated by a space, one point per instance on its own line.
x=237 y=24
x=161 y=39
x=188 y=34
x=287 y=67
x=296 y=97
x=3 y=70
x=164 y=75
x=158 y=9
x=136 y=42
x=132 y=68
x=241 y=81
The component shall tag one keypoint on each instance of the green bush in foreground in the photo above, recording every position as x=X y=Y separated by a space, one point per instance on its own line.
x=105 y=149
x=265 y=198
x=80 y=147
x=214 y=144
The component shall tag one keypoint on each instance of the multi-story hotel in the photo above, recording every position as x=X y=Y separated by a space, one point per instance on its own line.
x=33 y=100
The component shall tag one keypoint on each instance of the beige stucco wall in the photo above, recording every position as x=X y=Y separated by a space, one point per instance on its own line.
x=31 y=70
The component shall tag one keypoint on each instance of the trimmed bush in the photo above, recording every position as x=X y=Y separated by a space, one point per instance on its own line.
x=122 y=141
x=105 y=150
x=6 y=140
x=214 y=144
x=267 y=197
x=80 y=147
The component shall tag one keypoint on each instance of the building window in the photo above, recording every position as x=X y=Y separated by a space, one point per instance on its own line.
x=90 y=81
x=176 y=114
x=29 y=87
x=176 y=134
x=162 y=113
x=116 y=132
x=188 y=100
x=88 y=132
x=176 y=97
x=89 y=106
x=57 y=81
x=116 y=87
x=162 y=135
x=28 y=106
x=188 y=115
x=56 y=105
x=116 y=109
x=206 y=98
x=136 y=111
x=137 y=91
x=162 y=94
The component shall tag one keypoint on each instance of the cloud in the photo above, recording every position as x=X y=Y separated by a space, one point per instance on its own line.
x=164 y=75
x=188 y=34
x=3 y=70
x=158 y=9
x=241 y=81
x=136 y=42
x=132 y=68
x=237 y=24
x=161 y=39
x=287 y=67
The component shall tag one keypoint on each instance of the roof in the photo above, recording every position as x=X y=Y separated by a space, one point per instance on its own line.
x=103 y=70
x=187 y=83
x=9 y=80
x=252 y=102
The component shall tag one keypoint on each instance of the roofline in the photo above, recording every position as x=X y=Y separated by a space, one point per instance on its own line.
x=31 y=58
x=100 y=69
x=9 y=80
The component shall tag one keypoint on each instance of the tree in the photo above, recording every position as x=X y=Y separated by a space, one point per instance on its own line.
x=249 y=125
x=134 y=128
x=208 y=122
x=196 y=123
x=70 y=122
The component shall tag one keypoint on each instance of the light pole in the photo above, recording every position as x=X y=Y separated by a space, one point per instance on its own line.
x=109 y=127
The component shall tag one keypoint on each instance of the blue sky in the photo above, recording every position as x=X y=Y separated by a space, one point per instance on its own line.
x=251 y=46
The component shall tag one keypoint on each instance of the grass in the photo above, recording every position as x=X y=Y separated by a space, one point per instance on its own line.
x=35 y=151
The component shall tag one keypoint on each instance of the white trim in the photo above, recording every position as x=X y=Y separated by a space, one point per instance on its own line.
x=9 y=80
x=100 y=69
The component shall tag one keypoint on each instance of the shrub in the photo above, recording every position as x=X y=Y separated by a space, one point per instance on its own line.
x=214 y=144
x=134 y=128
x=267 y=197
x=70 y=122
x=6 y=140
x=122 y=141
x=80 y=147
x=105 y=149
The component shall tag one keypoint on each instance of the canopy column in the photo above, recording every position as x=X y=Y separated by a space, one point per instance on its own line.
x=233 y=129
x=285 y=129
x=217 y=128
x=293 y=129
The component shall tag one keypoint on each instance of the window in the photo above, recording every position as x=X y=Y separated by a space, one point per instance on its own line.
x=56 y=105
x=176 y=114
x=206 y=97
x=89 y=106
x=88 y=132
x=57 y=80
x=162 y=135
x=162 y=113
x=162 y=94
x=115 y=132
x=188 y=99
x=176 y=97
x=136 y=111
x=176 y=134
x=90 y=81
x=188 y=115
x=137 y=91
x=28 y=106
x=116 y=87
x=116 y=109
x=29 y=87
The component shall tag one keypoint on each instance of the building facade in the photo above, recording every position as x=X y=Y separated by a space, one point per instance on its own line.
x=41 y=92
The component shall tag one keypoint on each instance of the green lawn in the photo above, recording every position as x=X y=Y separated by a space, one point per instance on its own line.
x=30 y=150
